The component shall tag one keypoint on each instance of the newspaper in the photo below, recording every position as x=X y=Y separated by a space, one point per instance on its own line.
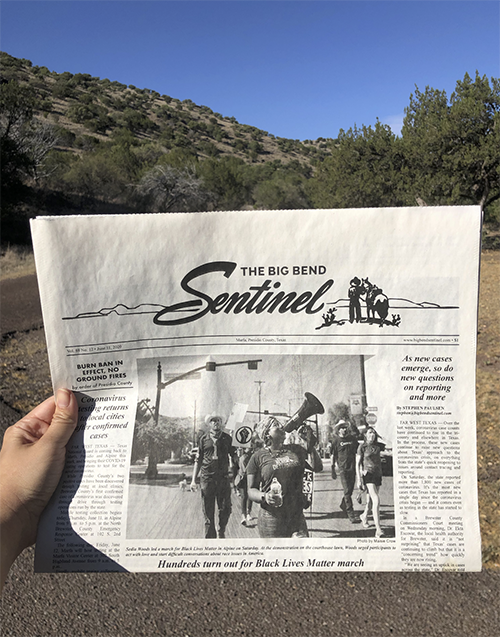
x=213 y=356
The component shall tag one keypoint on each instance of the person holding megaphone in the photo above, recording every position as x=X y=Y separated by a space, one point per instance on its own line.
x=275 y=475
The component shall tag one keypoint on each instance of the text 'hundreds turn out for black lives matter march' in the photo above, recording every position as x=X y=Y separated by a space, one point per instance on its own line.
x=264 y=391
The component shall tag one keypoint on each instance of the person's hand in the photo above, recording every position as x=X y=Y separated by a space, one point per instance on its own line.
x=192 y=486
x=273 y=499
x=307 y=434
x=31 y=463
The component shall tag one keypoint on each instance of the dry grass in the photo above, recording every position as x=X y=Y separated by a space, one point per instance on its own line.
x=16 y=261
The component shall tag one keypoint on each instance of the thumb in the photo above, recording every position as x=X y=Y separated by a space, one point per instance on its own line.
x=64 y=419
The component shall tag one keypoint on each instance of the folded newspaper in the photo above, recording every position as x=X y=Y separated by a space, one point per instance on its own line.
x=264 y=391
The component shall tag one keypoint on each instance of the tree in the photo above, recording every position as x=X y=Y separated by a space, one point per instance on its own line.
x=16 y=107
x=41 y=138
x=25 y=140
x=452 y=148
x=423 y=146
x=227 y=180
x=93 y=116
x=16 y=113
x=161 y=441
x=282 y=192
x=107 y=172
x=364 y=170
x=94 y=176
x=14 y=165
x=168 y=189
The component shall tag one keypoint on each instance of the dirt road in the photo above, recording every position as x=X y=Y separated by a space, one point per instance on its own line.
x=20 y=308
x=291 y=604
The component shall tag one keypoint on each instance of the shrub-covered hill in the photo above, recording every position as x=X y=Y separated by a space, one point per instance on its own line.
x=77 y=142
x=88 y=110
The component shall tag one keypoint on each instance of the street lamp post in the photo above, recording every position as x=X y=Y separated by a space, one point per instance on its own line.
x=152 y=468
x=260 y=383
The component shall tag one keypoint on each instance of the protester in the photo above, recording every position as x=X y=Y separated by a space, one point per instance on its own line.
x=213 y=465
x=369 y=474
x=31 y=463
x=343 y=449
x=275 y=480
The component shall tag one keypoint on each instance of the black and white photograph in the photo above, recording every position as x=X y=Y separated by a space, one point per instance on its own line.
x=259 y=446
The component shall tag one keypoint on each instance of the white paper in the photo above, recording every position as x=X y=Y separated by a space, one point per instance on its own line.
x=153 y=319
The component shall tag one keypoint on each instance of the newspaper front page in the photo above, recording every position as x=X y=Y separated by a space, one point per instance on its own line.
x=264 y=391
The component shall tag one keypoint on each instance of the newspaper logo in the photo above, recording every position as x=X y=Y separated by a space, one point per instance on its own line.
x=256 y=299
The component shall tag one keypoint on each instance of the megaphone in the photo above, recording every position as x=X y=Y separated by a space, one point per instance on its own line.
x=309 y=407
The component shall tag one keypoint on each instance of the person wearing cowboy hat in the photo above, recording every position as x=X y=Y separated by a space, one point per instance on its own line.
x=355 y=291
x=212 y=464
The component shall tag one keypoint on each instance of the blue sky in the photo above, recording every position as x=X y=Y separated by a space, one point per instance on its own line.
x=296 y=69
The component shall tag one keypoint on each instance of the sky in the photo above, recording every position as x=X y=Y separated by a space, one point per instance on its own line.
x=296 y=69
x=281 y=378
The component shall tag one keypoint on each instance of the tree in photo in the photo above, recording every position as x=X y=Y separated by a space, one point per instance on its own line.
x=284 y=191
x=159 y=441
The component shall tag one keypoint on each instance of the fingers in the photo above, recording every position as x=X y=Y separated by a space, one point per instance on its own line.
x=44 y=411
x=55 y=418
x=35 y=424
x=64 y=418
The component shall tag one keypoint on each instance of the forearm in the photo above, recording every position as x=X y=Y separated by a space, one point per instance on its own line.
x=196 y=471
x=316 y=462
x=359 y=469
x=255 y=495
x=12 y=540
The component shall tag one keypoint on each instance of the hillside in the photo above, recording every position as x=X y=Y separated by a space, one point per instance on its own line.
x=75 y=143
x=88 y=110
